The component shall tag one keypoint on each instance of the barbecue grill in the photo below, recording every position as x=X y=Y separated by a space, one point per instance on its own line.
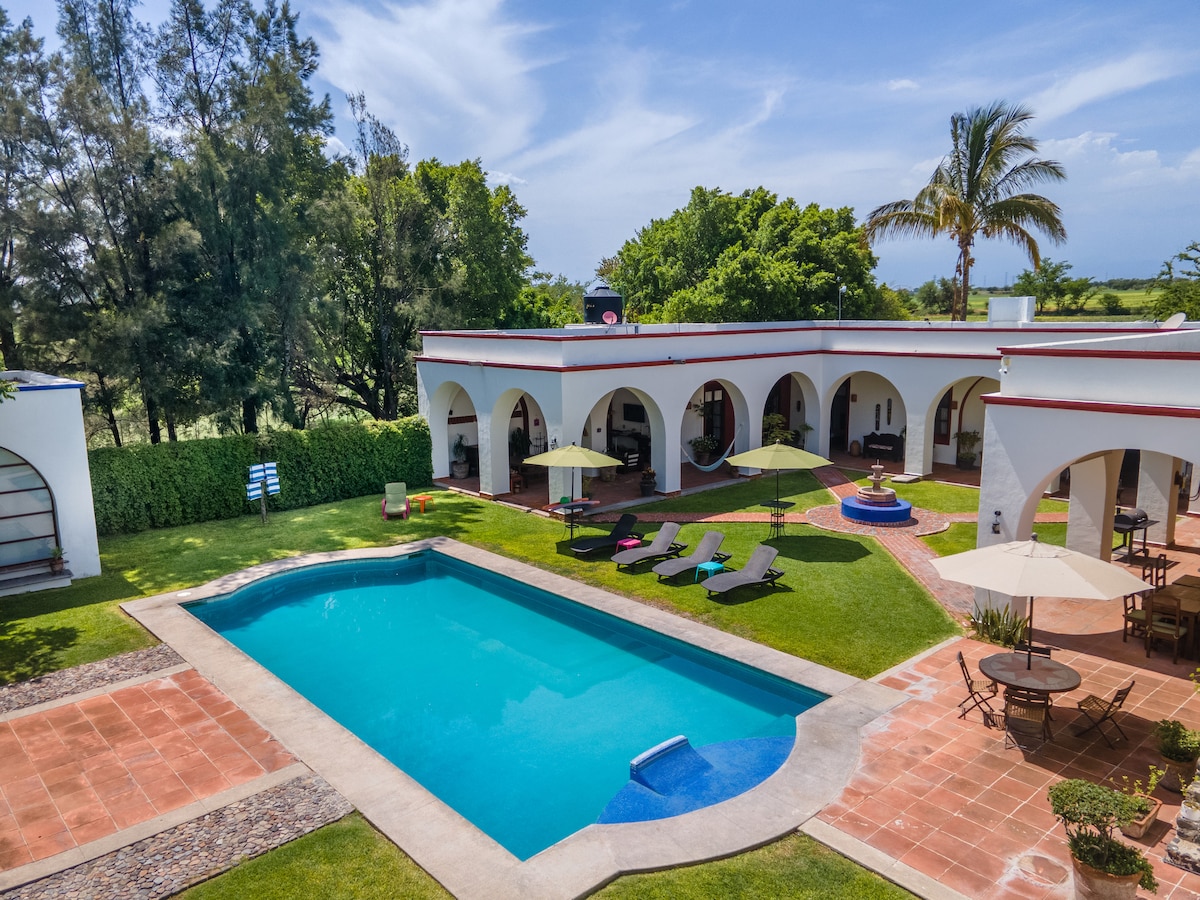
x=1129 y=522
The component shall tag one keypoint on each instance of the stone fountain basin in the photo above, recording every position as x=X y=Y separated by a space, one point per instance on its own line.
x=896 y=513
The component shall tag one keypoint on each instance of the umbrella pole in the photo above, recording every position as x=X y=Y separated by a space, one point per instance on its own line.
x=1029 y=638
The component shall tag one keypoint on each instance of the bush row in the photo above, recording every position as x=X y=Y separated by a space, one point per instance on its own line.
x=159 y=485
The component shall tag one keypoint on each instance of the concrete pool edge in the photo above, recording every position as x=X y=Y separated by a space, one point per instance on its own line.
x=455 y=852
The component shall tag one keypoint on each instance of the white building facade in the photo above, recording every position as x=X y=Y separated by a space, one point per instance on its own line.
x=45 y=485
x=909 y=388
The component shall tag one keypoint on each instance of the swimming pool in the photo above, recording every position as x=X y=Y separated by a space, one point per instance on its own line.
x=517 y=708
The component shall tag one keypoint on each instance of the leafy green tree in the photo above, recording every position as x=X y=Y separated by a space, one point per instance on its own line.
x=750 y=257
x=1050 y=283
x=250 y=137
x=96 y=205
x=546 y=303
x=979 y=190
x=936 y=297
x=408 y=248
x=1178 y=285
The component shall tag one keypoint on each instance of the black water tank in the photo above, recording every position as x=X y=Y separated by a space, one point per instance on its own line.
x=602 y=299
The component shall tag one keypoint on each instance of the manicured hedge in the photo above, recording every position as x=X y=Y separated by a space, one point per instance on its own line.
x=158 y=485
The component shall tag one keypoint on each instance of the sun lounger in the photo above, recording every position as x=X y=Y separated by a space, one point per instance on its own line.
x=395 y=500
x=756 y=571
x=663 y=546
x=622 y=530
x=706 y=551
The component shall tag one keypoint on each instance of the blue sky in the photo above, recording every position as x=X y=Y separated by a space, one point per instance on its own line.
x=603 y=116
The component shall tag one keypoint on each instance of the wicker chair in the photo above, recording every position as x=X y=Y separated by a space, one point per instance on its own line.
x=1135 y=618
x=1164 y=623
x=1025 y=717
x=979 y=692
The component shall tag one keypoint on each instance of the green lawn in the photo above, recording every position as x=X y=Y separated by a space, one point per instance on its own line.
x=348 y=859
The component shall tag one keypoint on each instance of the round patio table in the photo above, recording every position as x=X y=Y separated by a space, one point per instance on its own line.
x=1045 y=676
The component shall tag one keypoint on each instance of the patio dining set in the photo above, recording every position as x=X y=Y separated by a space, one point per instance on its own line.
x=1030 y=683
x=1162 y=612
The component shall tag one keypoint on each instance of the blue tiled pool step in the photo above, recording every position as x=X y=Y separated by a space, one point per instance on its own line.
x=674 y=777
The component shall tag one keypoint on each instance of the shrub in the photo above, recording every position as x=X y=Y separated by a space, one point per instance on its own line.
x=160 y=485
x=1090 y=813
x=999 y=626
x=1176 y=741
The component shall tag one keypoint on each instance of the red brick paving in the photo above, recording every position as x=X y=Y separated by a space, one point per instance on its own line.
x=87 y=769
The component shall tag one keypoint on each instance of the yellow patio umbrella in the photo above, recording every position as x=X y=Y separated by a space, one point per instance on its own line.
x=573 y=457
x=778 y=456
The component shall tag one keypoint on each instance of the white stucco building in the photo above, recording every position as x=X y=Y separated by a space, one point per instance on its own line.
x=1045 y=397
x=45 y=485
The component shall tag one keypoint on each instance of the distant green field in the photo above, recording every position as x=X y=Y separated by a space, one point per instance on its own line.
x=1136 y=305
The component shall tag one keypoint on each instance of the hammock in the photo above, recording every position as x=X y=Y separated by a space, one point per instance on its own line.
x=713 y=466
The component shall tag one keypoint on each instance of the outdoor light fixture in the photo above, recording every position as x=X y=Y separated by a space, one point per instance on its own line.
x=1004 y=361
x=996 y=522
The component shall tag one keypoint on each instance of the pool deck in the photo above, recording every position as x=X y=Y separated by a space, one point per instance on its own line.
x=929 y=800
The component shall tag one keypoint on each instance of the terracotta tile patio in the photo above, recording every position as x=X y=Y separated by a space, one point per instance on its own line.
x=86 y=769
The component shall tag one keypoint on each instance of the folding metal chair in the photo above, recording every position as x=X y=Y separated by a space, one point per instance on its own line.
x=977 y=688
x=1097 y=711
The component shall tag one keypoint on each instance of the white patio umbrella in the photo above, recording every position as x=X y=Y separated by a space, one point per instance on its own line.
x=1031 y=568
x=573 y=457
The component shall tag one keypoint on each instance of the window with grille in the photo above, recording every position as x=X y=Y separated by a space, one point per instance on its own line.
x=27 y=527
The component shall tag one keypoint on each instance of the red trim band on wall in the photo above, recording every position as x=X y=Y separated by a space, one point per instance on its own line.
x=1135 y=409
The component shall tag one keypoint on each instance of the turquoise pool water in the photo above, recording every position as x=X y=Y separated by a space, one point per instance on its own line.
x=519 y=709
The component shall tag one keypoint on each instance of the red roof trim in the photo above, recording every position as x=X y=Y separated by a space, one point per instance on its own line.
x=1136 y=409
x=705 y=359
x=831 y=326
x=1176 y=355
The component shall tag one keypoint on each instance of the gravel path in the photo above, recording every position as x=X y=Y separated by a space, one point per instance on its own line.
x=67 y=682
x=195 y=851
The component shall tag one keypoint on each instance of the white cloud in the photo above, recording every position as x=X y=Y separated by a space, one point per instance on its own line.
x=902 y=84
x=449 y=76
x=1101 y=82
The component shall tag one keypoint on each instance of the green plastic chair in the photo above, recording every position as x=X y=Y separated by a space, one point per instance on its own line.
x=395 y=500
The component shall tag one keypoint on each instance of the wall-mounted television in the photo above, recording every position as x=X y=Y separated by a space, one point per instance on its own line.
x=634 y=412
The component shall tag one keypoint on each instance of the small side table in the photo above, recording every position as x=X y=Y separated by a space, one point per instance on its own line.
x=708 y=568
x=422 y=499
x=628 y=543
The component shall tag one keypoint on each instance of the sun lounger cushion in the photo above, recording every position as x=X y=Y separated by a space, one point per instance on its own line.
x=663 y=545
x=623 y=529
x=756 y=571
x=706 y=551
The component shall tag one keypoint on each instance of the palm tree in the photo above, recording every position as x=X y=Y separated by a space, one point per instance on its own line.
x=975 y=192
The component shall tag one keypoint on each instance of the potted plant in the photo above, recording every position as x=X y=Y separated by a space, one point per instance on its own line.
x=802 y=434
x=649 y=482
x=703 y=448
x=459 y=467
x=518 y=445
x=56 y=560
x=1103 y=865
x=1179 y=747
x=967 y=442
x=1143 y=796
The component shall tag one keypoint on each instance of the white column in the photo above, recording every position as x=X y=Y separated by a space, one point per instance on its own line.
x=918 y=445
x=1093 y=504
x=1158 y=495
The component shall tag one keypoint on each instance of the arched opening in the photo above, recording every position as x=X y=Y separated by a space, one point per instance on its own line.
x=786 y=412
x=28 y=524
x=867 y=418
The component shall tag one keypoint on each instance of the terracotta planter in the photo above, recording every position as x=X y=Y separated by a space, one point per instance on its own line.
x=1138 y=827
x=56 y=566
x=1092 y=884
x=1177 y=774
